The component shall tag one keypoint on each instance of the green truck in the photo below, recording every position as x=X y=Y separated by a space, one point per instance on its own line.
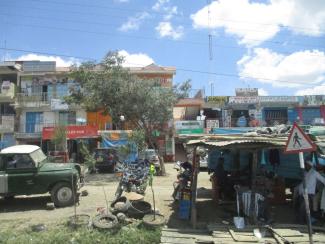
x=25 y=170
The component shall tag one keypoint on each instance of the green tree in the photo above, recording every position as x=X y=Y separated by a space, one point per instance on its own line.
x=182 y=90
x=59 y=138
x=110 y=87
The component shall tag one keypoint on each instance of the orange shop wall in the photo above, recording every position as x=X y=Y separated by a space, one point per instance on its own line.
x=104 y=122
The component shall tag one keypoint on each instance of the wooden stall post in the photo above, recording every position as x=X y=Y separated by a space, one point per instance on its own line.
x=253 y=191
x=194 y=189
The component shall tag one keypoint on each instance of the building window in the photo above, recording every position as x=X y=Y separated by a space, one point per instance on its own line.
x=67 y=118
x=34 y=122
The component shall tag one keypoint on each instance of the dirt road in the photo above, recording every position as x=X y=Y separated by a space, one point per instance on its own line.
x=32 y=209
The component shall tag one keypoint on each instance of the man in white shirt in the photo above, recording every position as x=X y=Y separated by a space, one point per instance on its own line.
x=312 y=177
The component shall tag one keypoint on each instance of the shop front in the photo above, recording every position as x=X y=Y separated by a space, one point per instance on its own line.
x=76 y=137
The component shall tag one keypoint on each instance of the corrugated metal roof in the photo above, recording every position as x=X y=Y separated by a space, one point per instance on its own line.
x=225 y=143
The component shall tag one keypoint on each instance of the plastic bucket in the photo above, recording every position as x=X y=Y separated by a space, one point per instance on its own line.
x=138 y=209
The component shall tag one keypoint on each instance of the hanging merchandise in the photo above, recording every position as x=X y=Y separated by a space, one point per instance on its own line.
x=263 y=161
x=274 y=158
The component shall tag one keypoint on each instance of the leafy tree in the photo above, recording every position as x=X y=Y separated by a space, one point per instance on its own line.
x=59 y=138
x=110 y=87
x=182 y=90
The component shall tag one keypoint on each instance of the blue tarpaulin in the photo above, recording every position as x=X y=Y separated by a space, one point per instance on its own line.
x=115 y=139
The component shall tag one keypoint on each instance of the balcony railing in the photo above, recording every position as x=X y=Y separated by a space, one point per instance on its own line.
x=32 y=99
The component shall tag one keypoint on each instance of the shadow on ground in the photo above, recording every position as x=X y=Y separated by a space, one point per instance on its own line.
x=22 y=204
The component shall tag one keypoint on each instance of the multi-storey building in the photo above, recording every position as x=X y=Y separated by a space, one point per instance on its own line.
x=40 y=102
x=32 y=105
x=8 y=122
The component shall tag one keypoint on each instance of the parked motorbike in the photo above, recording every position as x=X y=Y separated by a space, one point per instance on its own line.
x=184 y=178
x=134 y=177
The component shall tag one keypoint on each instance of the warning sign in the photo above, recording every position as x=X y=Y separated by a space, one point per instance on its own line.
x=298 y=141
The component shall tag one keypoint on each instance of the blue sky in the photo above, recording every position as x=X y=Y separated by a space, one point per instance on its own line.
x=277 y=46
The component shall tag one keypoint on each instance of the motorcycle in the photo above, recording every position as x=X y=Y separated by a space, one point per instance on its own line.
x=184 y=178
x=133 y=177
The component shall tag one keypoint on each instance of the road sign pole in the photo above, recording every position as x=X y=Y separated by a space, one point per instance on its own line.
x=305 y=195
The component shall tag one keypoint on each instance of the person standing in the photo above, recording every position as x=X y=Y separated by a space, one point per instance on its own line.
x=312 y=178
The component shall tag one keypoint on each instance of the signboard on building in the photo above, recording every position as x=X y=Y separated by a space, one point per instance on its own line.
x=278 y=99
x=189 y=127
x=246 y=92
x=263 y=99
x=242 y=100
x=58 y=104
x=314 y=100
x=218 y=101
x=212 y=123
x=73 y=132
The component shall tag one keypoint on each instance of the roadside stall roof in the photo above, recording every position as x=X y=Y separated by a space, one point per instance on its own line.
x=243 y=143
x=248 y=140
x=9 y=67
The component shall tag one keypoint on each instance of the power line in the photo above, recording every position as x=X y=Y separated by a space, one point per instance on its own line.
x=47 y=53
x=177 y=68
x=141 y=10
x=281 y=43
x=123 y=17
x=111 y=34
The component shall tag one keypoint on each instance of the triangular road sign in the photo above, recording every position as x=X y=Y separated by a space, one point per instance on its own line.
x=298 y=141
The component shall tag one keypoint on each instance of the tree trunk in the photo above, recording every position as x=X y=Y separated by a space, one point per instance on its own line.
x=161 y=160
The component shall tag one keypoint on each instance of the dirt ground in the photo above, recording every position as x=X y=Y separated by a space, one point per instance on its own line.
x=30 y=210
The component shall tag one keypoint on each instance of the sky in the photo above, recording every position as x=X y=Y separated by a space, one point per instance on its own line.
x=277 y=46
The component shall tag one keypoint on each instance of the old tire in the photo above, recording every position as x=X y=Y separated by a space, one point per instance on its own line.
x=105 y=221
x=117 y=207
x=62 y=195
x=149 y=221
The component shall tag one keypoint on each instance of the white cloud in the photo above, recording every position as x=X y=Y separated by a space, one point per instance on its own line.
x=136 y=59
x=159 y=4
x=171 y=11
x=262 y=92
x=316 y=90
x=294 y=70
x=60 y=62
x=134 y=23
x=254 y=22
x=122 y=1
x=165 y=29
x=165 y=8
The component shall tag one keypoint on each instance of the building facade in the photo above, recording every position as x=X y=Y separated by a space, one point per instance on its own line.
x=32 y=104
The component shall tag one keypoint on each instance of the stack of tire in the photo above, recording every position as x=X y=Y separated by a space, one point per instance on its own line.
x=119 y=211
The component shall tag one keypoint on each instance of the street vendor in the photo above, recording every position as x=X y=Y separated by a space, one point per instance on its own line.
x=312 y=178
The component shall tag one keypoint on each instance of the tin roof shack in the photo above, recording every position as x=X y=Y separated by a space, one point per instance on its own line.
x=254 y=149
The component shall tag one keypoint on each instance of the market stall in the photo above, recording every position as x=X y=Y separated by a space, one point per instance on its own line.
x=258 y=166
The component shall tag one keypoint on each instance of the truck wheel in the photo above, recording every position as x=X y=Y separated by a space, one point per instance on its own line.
x=62 y=195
